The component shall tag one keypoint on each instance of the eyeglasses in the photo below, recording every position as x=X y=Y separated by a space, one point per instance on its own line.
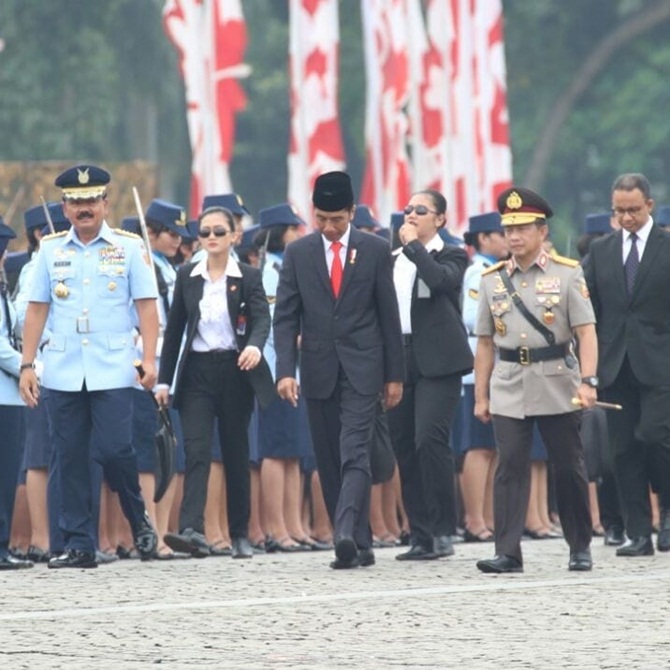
x=620 y=212
x=421 y=210
x=218 y=232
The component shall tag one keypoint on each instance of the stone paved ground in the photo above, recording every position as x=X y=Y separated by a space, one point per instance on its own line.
x=292 y=611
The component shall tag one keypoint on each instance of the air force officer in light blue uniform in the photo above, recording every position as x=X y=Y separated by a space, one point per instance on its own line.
x=84 y=281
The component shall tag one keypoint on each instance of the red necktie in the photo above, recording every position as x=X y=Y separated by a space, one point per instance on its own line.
x=336 y=268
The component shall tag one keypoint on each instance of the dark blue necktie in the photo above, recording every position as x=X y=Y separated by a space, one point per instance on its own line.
x=632 y=263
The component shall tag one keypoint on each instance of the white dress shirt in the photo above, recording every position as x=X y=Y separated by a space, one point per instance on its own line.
x=344 y=240
x=404 y=274
x=642 y=235
x=215 y=331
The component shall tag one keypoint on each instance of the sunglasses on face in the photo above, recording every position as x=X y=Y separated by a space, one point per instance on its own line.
x=218 y=232
x=421 y=210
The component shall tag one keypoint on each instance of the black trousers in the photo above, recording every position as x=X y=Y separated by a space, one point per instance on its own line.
x=12 y=420
x=640 y=442
x=420 y=429
x=514 y=437
x=213 y=387
x=341 y=427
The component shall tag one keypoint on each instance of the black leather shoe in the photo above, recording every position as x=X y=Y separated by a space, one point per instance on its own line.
x=637 y=546
x=580 y=561
x=443 y=546
x=663 y=541
x=8 y=562
x=337 y=564
x=366 y=558
x=37 y=555
x=241 y=548
x=145 y=539
x=345 y=549
x=189 y=541
x=73 y=558
x=500 y=564
x=614 y=536
x=417 y=552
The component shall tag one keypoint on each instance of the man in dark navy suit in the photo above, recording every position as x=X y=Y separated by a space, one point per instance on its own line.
x=336 y=292
x=628 y=274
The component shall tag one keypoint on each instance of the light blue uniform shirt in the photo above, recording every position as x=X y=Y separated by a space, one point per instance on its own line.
x=89 y=289
x=10 y=360
x=273 y=263
x=471 y=281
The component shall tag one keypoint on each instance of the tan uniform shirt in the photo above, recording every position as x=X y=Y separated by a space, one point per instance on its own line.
x=554 y=290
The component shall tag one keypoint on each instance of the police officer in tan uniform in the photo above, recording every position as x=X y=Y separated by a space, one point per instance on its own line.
x=530 y=310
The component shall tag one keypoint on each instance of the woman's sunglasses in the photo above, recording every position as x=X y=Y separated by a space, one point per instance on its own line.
x=421 y=210
x=218 y=232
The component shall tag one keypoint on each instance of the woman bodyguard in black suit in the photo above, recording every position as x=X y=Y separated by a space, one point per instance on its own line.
x=428 y=274
x=221 y=306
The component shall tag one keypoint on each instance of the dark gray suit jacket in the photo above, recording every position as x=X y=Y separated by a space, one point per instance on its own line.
x=246 y=299
x=360 y=330
x=638 y=326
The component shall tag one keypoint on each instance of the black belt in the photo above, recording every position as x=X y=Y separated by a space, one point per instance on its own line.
x=216 y=354
x=526 y=355
x=406 y=339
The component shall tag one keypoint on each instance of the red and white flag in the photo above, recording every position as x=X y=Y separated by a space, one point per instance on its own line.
x=386 y=183
x=210 y=37
x=316 y=139
x=460 y=126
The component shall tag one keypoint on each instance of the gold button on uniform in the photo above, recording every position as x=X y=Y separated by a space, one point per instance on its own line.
x=84 y=341
x=87 y=281
x=523 y=336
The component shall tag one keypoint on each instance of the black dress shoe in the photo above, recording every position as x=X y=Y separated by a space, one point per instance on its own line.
x=8 y=562
x=241 y=548
x=500 y=564
x=366 y=558
x=337 y=564
x=443 y=546
x=37 y=555
x=345 y=549
x=663 y=540
x=73 y=558
x=189 y=541
x=637 y=546
x=145 y=538
x=580 y=561
x=417 y=552
x=614 y=536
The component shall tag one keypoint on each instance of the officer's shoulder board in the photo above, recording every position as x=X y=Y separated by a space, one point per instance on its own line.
x=494 y=268
x=53 y=236
x=563 y=260
x=126 y=233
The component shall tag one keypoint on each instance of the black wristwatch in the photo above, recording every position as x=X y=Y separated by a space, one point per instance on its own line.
x=591 y=381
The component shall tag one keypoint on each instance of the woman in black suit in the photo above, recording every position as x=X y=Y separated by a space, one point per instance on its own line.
x=221 y=306
x=428 y=274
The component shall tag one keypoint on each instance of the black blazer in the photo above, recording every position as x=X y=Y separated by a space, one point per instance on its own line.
x=246 y=298
x=360 y=330
x=439 y=338
x=638 y=326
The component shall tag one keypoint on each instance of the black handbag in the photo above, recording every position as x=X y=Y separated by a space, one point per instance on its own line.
x=165 y=446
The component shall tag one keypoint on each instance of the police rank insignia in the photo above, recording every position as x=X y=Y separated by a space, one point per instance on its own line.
x=501 y=328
